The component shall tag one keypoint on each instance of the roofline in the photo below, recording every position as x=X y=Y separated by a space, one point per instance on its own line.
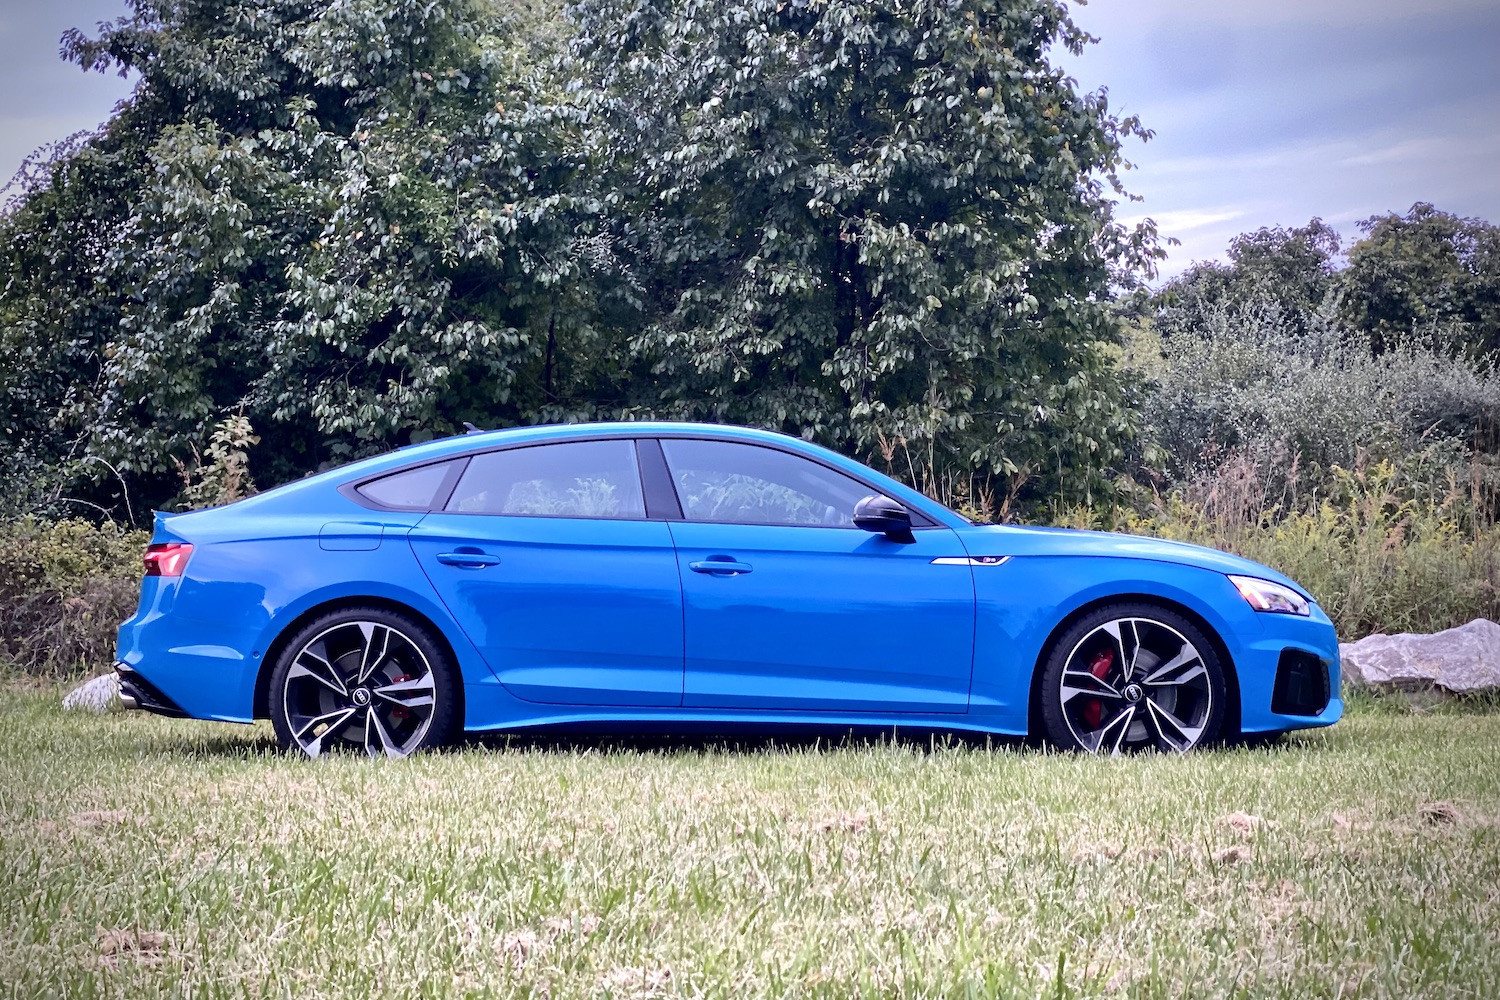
x=463 y=443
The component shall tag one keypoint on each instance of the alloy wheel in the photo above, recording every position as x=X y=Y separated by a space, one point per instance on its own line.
x=359 y=684
x=1136 y=684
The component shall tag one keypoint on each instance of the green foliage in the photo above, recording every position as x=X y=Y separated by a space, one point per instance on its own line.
x=1378 y=554
x=1426 y=271
x=1287 y=273
x=65 y=587
x=361 y=224
x=865 y=222
x=1245 y=385
x=221 y=475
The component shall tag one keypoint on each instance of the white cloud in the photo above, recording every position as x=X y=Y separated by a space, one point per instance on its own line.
x=1173 y=223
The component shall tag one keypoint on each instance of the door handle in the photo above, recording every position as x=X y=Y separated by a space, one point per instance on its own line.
x=720 y=567
x=468 y=560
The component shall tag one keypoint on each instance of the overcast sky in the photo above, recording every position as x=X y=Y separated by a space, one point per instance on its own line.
x=1266 y=112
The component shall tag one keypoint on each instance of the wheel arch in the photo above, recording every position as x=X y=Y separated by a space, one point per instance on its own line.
x=1221 y=649
x=261 y=704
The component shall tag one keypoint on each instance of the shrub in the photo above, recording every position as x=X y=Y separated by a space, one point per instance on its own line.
x=65 y=588
x=1378 y=556
x=1299 y=405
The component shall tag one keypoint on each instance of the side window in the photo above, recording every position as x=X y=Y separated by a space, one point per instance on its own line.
x=578 y=479
x=746 y=484
x=414 y=489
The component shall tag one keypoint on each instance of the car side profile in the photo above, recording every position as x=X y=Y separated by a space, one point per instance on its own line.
x=665 y=574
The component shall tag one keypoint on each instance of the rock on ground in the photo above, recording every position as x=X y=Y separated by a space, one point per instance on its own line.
x=1463 y=660
x=98 y=695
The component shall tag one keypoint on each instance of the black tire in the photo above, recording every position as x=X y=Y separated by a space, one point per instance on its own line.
x=1109 y=684
x=364 y=678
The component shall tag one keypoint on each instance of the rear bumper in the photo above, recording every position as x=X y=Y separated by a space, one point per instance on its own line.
x=179 y=666
x=138 y=693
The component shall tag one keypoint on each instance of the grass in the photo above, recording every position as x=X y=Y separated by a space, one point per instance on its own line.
x=150 y=857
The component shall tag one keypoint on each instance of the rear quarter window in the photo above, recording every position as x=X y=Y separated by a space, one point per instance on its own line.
x=412 y=489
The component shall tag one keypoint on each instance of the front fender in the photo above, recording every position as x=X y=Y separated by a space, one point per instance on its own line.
x=1021 y=603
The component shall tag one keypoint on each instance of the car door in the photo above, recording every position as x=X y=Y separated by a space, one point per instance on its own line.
x=545 y=557
x=788 y=605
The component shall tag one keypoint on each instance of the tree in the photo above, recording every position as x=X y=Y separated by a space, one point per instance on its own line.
x=1290 y=272
x=870 y=222
x=344 y=219
x=361 y=223
x=1426 y=272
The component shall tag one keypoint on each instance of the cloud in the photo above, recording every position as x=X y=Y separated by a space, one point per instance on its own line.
x=1286 y=110
x=1172 y=223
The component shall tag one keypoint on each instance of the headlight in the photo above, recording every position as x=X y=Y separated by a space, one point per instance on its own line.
x=1264 y=595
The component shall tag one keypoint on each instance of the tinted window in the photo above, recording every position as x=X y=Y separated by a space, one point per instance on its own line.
x=746 y=484
x=412 y=489
x=579 y=479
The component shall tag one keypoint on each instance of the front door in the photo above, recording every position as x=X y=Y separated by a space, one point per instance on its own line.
x=545 y=558
x=788 y=605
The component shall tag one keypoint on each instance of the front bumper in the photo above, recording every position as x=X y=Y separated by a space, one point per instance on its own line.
x=1289 y=674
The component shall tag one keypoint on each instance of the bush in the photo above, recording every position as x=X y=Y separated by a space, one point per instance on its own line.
x=1377 y=555
x=1248 y=388
x=66 y=587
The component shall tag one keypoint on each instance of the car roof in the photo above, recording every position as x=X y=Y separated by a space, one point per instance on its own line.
x=464 y=444
x=480 y=440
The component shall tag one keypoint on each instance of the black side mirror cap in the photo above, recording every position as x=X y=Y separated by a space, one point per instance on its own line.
x=884 y=516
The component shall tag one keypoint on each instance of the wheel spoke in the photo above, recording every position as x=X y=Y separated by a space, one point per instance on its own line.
x=1113 y=630
x=1185 y=657
x=412 y=693
x=316 y=665
x=340 y=716
x=1096 y=739
x=1096 y=687
x=377 y=642
x=1128 y=666
x=1187 y=735
x=389 y=749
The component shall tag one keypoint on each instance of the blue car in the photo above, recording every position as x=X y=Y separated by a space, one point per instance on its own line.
x=665 y=574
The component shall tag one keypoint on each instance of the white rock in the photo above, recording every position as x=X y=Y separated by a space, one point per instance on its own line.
x=1462 y=660
x=98 y=695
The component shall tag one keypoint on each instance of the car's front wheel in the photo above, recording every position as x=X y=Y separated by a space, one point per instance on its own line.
x=363 y=678
x=1132 y=677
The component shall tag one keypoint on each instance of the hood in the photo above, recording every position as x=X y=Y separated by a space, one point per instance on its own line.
x=1005 y=539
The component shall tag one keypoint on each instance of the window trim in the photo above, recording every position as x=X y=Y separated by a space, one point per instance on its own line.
x=920 y=521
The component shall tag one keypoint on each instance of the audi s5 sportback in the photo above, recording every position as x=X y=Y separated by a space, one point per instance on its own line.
x=671 y=574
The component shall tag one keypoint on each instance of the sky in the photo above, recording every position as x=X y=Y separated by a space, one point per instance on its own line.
x=1266 y=113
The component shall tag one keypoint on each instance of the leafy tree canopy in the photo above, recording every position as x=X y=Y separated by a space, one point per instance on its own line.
x=1426 y=272
x=1288 y=271
x=362 y=223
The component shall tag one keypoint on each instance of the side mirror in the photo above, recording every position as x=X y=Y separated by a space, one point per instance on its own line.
x=884 y=516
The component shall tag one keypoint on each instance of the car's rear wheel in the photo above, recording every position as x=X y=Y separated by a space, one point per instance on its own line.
x=363 y=679
x=1132 y=677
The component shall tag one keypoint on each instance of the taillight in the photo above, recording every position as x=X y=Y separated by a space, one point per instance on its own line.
x=167 y=558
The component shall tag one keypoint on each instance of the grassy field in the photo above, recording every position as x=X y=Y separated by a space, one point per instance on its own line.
x=146 y=857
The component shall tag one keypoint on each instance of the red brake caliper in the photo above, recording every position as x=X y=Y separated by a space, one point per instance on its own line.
x=1093 y=708
x=400 y=713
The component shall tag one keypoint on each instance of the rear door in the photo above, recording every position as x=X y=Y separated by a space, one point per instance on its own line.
x=788 y=605
x=545 y=557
